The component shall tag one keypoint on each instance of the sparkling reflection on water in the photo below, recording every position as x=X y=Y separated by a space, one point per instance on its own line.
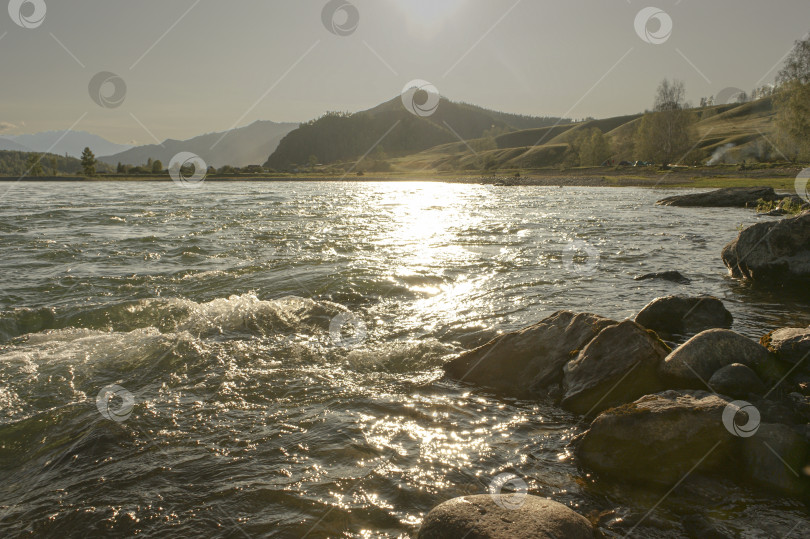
x=254 y=415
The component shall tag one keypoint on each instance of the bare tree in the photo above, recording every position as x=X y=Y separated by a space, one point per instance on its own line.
x=670 y=96
x=667 y=134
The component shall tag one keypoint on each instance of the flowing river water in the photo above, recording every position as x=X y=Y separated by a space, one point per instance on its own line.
x=275 y=350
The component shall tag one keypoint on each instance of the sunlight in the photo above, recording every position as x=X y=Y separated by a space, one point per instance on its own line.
x=427 y=17
x=422 y=215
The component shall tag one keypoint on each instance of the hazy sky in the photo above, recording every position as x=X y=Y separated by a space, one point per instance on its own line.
x=195 y=66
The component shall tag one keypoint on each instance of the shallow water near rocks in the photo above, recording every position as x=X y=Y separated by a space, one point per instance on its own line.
x=255 y=414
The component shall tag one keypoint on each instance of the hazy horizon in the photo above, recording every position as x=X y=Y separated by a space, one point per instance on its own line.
x=195 y=67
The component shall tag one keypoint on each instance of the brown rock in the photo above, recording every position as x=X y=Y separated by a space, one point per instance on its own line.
x=673 y=316
x=730 y=197
x=658 y=438
x=693 y=363
x=620 y=365
x=525 y=361
x=774 y=253
x=480 y=517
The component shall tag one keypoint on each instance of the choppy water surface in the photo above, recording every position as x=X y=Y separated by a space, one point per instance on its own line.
x=282 y=343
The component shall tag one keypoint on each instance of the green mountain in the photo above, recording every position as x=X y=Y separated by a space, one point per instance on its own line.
x=392 y=130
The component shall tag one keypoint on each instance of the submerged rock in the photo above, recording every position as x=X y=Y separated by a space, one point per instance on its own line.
x=525 y=361
x=658 y=438
x=773 y=253
x=791 y=345
x=730 y=197
x=481 y=516
x=672 y=316
x=737 y=381
x=693 y=363
x=618 y=366
x=673 y=276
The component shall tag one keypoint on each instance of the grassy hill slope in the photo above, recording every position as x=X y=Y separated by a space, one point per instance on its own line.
x=731 y=133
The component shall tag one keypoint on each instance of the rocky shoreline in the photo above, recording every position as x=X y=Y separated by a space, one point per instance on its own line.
x=673 y=393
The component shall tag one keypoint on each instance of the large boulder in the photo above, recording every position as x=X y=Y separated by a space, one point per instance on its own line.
x=693 y=363
x=482 y=517
x=523 y=362
x=791 y=345
x=620 y=365
x=674 y=316
x=775 y=457
x=774 y=252
x=729 y=197
x=737 y=381
x=658 y=438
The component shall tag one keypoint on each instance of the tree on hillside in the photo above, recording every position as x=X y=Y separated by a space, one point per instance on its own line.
x=594 y=149
x=590 y=148
x=668 y=133
x=33 y=165
x=88 y=162
x=54 y=166
x=157 y=167
x=793 y=101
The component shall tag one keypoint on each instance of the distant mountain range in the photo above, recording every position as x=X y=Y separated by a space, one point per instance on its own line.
x=61 y=142
x=243 y=146
x=392 y=130
x=11 y=146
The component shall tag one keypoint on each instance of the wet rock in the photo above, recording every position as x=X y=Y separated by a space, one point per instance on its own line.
x=730 y=197
x=693 y=363
x=618 y=366
x=523 y=362
x=681 y=315
x=479 y=517
x=658 y=438
x=775 y=458
x=774 y=412
x=737 y=381
x=773 y=253
x=800 y=404
x=673 y=276
x=791 y=345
